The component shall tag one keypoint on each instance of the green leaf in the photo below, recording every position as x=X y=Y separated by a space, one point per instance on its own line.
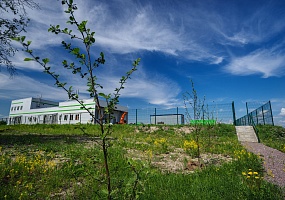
x=104 y=95
x=104 y=191
x=45 y=60
x=28 y=59
x=16 y=39
x=75 y=51
x=23 y=38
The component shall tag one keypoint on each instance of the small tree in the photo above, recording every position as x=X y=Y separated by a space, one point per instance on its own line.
x=86 y=69
x=198 y=117
x=12 y=27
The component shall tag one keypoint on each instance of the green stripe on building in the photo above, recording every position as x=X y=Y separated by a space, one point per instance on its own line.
x=17 y=102
x=49 y=111
x=75 y=105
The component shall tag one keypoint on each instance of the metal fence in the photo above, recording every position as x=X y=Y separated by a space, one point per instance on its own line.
x=259 y=116
x=221 y=113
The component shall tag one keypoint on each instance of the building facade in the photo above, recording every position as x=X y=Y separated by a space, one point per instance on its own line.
x=39 y=111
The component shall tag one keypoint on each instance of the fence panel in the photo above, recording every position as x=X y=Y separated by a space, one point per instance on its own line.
x=259 y=116
x=221 y=113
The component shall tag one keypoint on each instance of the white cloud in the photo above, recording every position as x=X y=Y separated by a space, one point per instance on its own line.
x=154 y=89
x=282 y=112
x=267 y=62
x=22 y=86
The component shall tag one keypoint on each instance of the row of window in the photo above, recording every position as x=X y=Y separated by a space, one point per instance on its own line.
x=16 y=108
x=65 y=117
x=71 y=117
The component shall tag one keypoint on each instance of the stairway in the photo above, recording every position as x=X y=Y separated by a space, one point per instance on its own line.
x=246 y=134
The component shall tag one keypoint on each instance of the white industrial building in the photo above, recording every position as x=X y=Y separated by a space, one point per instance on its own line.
x=40 y=111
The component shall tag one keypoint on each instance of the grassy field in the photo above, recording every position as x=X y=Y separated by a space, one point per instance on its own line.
x=65 y=162
x=273 y=136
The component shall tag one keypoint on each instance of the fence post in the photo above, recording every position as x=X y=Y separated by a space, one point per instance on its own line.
x=262 y=115
x=256 y=117
x=155 y=116
x=247 y=113
x=271 y=113
x=177 y=115
x=136 y=116
x=234 y=113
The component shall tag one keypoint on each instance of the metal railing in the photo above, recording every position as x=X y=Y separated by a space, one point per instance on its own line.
x=220 y=113
x=260 y=116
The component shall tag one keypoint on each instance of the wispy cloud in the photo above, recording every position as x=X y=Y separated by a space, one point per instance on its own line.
x=197 y=32
x=154 y=89
x=267 y=62
x=22 y=86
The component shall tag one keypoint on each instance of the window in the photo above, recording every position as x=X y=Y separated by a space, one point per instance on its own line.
x=21 y=107
x=77 y=117
x=12 y=108
x=71 y=117
x=18 y=107
x=65 y=117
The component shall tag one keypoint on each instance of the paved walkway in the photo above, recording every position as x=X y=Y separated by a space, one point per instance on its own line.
x=246 y=134
x=273 y=162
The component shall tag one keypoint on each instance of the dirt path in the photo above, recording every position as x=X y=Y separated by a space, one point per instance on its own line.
x=274 y=162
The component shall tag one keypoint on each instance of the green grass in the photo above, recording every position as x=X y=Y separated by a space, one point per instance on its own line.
x=65 y=162
x=273 y=136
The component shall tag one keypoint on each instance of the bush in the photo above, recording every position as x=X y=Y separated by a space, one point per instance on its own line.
x=3 y=123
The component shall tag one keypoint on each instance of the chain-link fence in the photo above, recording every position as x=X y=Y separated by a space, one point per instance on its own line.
x=257 y=116
x=220 y=113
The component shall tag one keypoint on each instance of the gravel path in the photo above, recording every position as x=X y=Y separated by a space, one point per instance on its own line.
x=274 y=162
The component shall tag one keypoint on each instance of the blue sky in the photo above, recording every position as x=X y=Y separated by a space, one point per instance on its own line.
x=232 y=50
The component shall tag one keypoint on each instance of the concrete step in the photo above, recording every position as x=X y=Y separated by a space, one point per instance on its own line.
x=246 y=134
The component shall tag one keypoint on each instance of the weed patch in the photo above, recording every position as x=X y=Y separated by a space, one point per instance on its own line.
x=64 y=165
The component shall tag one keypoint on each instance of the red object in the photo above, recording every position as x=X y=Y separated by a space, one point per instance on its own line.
x=122 y=118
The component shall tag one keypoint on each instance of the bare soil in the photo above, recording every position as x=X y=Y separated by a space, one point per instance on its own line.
x=178 y=161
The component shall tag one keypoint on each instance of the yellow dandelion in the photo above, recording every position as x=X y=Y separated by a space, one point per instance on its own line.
x=243 y=173
x=255 y=173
